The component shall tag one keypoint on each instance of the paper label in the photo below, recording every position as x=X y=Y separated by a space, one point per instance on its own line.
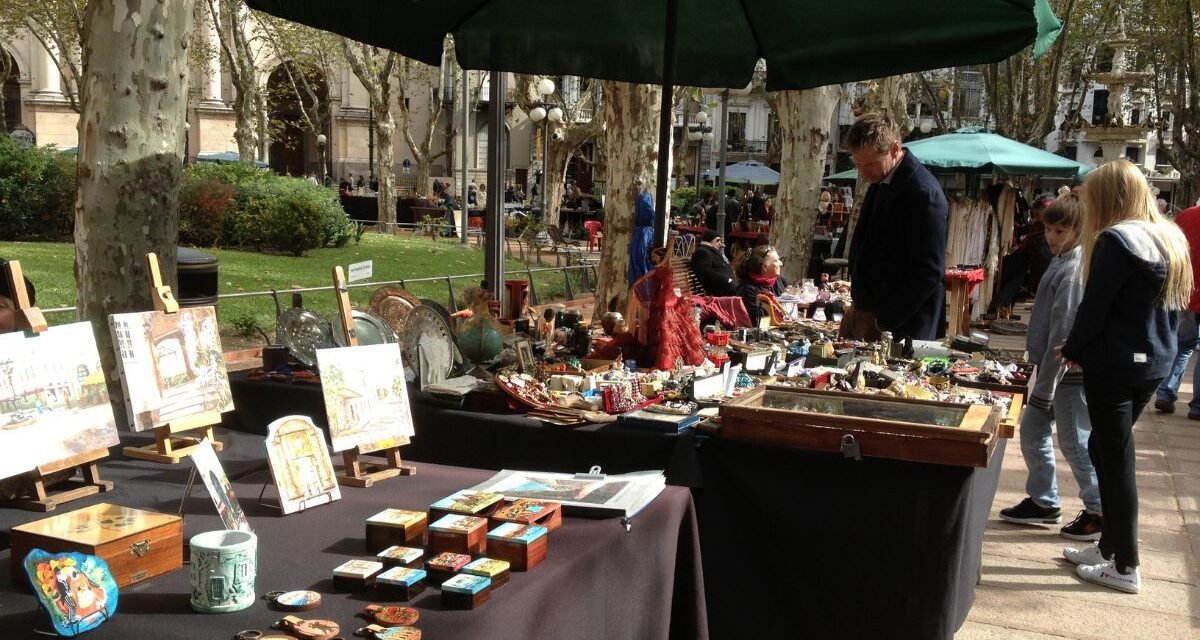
x=360 y=271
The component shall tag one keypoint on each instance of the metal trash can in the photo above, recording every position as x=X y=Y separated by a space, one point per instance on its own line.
x=198 y=281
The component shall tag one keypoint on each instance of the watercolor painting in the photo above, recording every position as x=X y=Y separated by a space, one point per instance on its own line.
x=53 y=398
x=171 y=364
x=366 y=398
x=77 y=589
x=210 y=471
x=300 y=464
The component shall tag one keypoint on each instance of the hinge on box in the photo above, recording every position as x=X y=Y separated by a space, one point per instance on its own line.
x=850 y=447
x=140 y=548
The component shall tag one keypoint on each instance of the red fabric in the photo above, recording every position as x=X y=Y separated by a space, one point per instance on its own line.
x=1189 y=221
x=670 y=334
x=730 y=311
x=766 y=282
x=973 y=277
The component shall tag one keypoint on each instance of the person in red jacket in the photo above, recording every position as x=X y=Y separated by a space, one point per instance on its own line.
x=1189 y=336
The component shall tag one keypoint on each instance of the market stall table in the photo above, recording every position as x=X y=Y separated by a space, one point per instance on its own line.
x=597 y=581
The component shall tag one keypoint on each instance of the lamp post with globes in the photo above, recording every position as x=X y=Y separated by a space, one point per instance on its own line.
x=549 y=113
x=700 y=133
x=321 y=139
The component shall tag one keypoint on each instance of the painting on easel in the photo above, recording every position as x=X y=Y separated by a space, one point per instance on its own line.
x=53 y=398
x=172 y=365
x=208 y=467
x=300 y=464
x=366 y=398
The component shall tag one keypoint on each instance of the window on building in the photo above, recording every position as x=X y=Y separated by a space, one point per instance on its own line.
x=737 y=128
x=967 y=94
x=1133 y=154
x=772 y=130
x=481 y=147
x=1068 y=151
x=1099 y=106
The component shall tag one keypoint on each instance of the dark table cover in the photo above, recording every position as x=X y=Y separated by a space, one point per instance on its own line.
x=597 y=581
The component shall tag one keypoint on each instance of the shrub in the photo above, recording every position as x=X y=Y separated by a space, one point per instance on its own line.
x=203 y=205
x=37 y=192
x=685 y=197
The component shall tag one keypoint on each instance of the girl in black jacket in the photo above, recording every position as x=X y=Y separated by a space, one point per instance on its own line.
x=1138 y=277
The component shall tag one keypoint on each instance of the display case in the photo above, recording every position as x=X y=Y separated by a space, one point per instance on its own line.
x=864 y=426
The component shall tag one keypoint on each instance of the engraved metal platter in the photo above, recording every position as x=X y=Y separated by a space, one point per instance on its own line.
x=393 y=304
x=427 y=342
x=369 y=328
x=442 y=311
x=303 y=332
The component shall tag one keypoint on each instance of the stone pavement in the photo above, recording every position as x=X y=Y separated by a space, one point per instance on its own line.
x=1030 y=592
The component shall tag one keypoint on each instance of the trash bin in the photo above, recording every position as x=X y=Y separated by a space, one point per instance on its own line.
x=197 y=273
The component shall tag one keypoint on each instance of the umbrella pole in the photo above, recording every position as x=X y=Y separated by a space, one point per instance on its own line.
x=721 y=179
x=493 y=267
x=662 y=212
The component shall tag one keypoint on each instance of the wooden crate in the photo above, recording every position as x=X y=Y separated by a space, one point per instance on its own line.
x=136 y=544
x=822 y=420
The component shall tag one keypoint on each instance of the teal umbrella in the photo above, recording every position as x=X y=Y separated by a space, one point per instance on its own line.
x=975 y=150
x=226 y=157
x=746 y=171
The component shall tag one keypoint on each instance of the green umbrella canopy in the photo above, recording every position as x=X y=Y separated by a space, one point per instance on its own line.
x=974 y=150
x=718 y=44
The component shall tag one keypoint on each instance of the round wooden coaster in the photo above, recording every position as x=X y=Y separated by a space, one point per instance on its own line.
x=294 y=600
x=393 y=615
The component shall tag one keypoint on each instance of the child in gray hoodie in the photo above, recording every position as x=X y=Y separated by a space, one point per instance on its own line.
x=1057 y=397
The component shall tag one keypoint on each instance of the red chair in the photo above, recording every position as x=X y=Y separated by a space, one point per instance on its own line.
x=595 y=236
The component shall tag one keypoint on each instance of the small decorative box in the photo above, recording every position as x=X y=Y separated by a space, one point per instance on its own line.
x=395 y=526
x=444 y=565
x=526 y=511
x=400 y=583
x=495 y=570
x=466 y=503
x=356 y=575
x=458 y=534
x=465 y=591
x=523 y=546
x=396 y=556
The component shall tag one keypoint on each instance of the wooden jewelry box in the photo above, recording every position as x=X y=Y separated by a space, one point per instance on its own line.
x=395 y=526
x=458 y=534
x=495 y=570
x=526 y=511
x=396 y=556
x=465 y=591
x=465 y=502
x=400 y=583
x=863 y=426
x=444 y=565
x=356 y=575
x=136 y=544
x=523 y=546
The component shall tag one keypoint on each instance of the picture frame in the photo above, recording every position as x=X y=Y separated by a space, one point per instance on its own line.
x=300 y=464
x=366 y=396
x=525 y=359
x=208 y=467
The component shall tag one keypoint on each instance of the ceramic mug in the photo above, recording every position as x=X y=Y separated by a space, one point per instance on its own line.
x=224 y=564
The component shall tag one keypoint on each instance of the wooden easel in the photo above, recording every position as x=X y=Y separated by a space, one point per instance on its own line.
x=169 y=446
x=34 y=496
x=358 y=472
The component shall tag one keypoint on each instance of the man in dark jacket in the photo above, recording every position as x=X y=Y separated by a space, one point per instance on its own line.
x=711 y=266
x=898 y=255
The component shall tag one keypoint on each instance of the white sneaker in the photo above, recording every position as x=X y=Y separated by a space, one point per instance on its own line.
x=1107 y=575
x=1085 y=556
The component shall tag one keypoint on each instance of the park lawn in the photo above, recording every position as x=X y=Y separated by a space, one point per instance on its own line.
x=50 y=266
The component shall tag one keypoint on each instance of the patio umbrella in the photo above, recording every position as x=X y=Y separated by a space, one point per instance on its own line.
x=747 y=171
x=226 y=157
x=635 y=40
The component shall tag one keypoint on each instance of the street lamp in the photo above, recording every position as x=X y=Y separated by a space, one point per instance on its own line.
x=321 y=139
x=549 y=113
x=700 y=132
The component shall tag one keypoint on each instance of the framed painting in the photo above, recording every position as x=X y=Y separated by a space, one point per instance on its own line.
x=53 y=398
x=366 y=397
x=210 y=471
x=525 y=359
x=172 y=366
x=300 y=464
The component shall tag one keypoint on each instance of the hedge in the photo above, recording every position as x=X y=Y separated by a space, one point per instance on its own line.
x=37 y=192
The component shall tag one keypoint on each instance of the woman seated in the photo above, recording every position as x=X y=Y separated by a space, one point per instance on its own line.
x=759 y=282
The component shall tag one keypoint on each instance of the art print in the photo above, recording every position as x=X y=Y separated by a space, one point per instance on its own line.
x=77 y=590
x=525 y=360
x=300 y=464
x=171 y=364
x=53 y=398
x=209 y=469
x=366 y=398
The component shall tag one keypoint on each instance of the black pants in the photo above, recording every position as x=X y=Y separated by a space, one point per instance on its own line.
x=1113 y=408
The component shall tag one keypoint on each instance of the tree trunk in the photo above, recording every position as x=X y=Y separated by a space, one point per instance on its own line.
x=133 y=99
x=240 y=60
x=245 y=130
x=556 y=171
x=631 y=116
x=385 y=128
x=804 y=119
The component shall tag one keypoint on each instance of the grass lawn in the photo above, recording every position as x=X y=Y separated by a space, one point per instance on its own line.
x=51 y=267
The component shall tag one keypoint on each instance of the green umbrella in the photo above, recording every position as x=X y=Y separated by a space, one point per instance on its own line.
x=806 y=43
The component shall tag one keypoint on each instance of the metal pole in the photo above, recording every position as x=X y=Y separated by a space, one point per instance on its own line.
x=466 y=126
x=724 y=145
x=699 y=152
x=662 y=211
x=545 y=164
x=493 y=264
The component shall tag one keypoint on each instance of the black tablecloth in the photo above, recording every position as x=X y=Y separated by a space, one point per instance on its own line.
x=597 y=581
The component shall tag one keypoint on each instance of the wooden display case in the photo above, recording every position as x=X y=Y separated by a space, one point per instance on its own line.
x=867 y=426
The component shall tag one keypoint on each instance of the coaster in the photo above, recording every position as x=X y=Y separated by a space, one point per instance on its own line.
x=293 y=600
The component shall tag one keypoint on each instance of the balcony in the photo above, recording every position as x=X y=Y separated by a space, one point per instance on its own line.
x=748 y=147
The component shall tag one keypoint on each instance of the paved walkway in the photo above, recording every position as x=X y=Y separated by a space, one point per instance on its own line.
x=1029 y=592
